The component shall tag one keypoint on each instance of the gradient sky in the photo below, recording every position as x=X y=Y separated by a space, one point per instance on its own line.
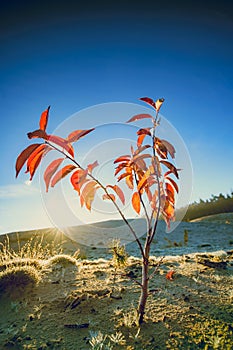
x=73 y=55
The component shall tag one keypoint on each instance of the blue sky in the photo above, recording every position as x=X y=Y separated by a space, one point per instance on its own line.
x=71 y=57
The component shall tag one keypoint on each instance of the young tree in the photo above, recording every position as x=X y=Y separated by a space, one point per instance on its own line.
x=147 y=170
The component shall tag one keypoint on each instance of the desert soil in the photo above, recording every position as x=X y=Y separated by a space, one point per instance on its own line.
x=71 y=304
x=75 y=306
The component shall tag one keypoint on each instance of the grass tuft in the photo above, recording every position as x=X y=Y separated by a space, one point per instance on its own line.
x=19 y=276
x=62 y=259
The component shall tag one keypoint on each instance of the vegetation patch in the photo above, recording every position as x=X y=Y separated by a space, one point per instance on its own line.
x=19 y=276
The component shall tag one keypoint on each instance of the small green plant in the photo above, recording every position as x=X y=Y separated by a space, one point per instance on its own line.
x=19 y=276
x=119 y=253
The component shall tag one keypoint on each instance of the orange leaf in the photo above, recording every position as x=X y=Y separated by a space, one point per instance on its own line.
x=62 y=173
x=36 y=157
x=170 y=274
x=105 y=196
x=24 y=155
x=122 y=159
x=77 y=134
x=140 y=166
x=138 y=117
x=62 y=143
x=50 y=170
x=37 y=134
x=141 y=156
x=128 y=177
x=144 y=131
x=129 y=181
x=171 y=150
x=92 y=166
x=146 y=181
x=140 y=139
x=88 y=194
x=44 y=119
x=119 y=192
x=140 y=149
x=145 y=177
x=120 y=167
x=171 y=167
x=136 y=202
x=173 y=183
x=168 y=212
x=170 y=188
x=78 y=179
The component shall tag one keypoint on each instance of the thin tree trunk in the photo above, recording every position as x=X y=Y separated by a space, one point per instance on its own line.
x=145 y=285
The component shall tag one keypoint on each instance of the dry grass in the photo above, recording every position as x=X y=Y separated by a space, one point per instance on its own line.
x=33 y=248
x=62 y=259
x=18 y=276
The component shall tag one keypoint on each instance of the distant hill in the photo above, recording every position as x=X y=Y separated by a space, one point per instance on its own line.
x=214 y=205
x=222 y=218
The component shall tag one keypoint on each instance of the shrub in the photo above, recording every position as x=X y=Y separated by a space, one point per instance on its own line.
x=62 y=259
x=19 y=276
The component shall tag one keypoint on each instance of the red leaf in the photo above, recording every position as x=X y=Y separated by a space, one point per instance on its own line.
x=77 y=134
x=122 y=159
x=144 y=131
x=88 y=194
x=171 y=150
x=160 y=148
x=120 y=167
x=142 y=134
x=173 y=183
x=136 y=159
x=44 y=119
x=78 y=179
x=38 y=134
x=141 y=149
x=24 y=155
x=136 y=202
x=149 y=194
x=36 y=157
x=157 y=105
x=92 y=166
x=139 y=116
x=127 y=173
x=62 y=143
x=170 y=274
x=105 y=196
x=170 y=188
x=119 y=192
x=140 y=139
x=50 y=170
x=148 y=100
x=171 y=167
x=62 y=173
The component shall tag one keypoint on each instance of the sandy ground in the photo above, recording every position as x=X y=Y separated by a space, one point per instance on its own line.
x=74 y=306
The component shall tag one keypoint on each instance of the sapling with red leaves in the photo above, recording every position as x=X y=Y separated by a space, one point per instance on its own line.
x=147 y=170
